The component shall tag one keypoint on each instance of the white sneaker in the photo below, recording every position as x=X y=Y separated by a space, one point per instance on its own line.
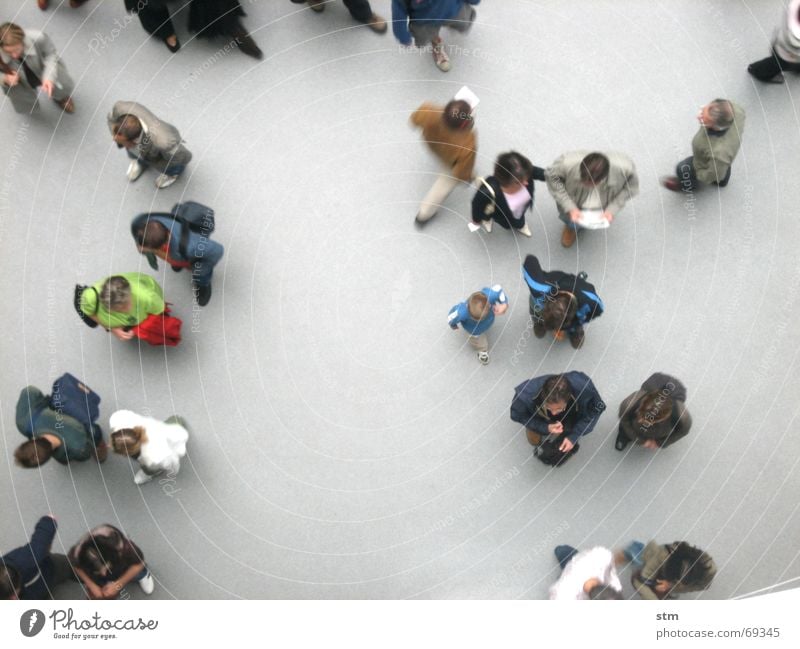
x=141 y=477
x=525 y=230
x=134 y=170
x=147 y=584
x=440 y=57
x=483 y=357
x=487 y=225
x=164 y=180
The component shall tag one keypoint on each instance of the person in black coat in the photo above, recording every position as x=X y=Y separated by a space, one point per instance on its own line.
x=566 y=406
x=31 y=571
x=506 y=196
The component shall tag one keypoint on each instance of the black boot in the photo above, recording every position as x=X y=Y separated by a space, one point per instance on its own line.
x=245 y=42
x=622 y=441
x=203 y=294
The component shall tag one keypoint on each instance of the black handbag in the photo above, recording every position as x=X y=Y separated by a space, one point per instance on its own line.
x=549 y=454
x=76 y=302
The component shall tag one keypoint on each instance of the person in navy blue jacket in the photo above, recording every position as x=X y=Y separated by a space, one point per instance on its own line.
x=476 y=315
x=560 y=302
x=31 y=571
x=565 y=406
x=424 y=18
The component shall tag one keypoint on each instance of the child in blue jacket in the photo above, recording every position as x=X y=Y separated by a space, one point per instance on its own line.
x=424 y=18
x=476 y=315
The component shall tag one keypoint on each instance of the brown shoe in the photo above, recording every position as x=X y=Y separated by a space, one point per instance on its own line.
x=576 y=338
x=539 y=330
x=43 y=4
x=317 y=5
x=534 y=438
x=568 y=236
x=76 y=3
x=67 y=105
x=377 y=24
x=671 y=183
x=101 y=452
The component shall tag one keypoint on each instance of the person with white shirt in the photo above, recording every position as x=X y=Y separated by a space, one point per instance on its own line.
x=157 y=446
x=590 y=574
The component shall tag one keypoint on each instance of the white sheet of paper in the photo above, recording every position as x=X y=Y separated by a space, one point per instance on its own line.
x=473 y=227
x=468 y=96
x=593 y=220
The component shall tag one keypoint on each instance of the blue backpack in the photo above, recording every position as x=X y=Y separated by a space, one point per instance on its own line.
x=74 y=398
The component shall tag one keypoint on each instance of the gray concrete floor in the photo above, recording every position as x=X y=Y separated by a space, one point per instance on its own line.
x=345 y=443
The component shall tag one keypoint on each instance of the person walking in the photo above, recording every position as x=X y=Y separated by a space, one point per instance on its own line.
x=476 y=315
x=360 y=10
x=785 y=55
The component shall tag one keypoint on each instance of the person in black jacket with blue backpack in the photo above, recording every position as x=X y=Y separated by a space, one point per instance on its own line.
x=561 y=406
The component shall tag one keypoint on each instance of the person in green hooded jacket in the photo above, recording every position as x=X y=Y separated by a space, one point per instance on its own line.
x=121 y=302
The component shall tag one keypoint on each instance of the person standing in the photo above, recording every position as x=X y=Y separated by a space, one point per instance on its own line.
x=148 y=141
x=424 y=19
x=507 y=195
x=32 y=571
x=29 y=61
x=450 y=135
x=655 y=416
x=583 y=181
x=476 y=315
x=590 y=574
x=785 y=56
x=714 y=148
x=360 y=10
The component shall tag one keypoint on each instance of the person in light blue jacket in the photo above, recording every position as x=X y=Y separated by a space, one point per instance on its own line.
x=423 y=19
x=476 y=314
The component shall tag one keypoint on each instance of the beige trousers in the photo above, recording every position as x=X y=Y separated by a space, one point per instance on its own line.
x=445 y=183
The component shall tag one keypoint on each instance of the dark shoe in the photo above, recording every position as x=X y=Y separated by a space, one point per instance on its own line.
x=43 y=4
x=539 y=330
x=203 y=294
x=77 y=3
x=377 y=24
x=317 y=5
x=173 y=48
x=622 y=441
x=176 y=269
x=101 y=452
x=67 y=105
x=671 y=183
x=778 y=78
x=568 y=236
x=246 y=43
x=576 y=338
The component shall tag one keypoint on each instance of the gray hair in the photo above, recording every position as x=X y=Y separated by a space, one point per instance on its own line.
x=116 y=293
x=721 y=112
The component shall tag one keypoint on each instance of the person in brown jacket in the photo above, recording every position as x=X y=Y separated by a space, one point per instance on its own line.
x=450 y=135
x=654 y=416
x=671 y=570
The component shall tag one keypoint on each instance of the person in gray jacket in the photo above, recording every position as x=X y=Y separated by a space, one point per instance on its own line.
x=149 y=141
x=785 y=55
x=655 y=416
x=583 y=180
x=714 y=148
x=28 y=60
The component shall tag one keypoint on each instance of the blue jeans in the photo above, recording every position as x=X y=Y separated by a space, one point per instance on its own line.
x=633 y=553
x=171 y=170
x=564 y=554
x=565 y=218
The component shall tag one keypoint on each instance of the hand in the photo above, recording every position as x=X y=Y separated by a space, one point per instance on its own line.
x=556 y=428
x=650 y=443
x=48 y=87
x=566 y=446
x=11 y=79
x=120 y=333
x=454 y=328
x=500 y=309
x=662 y=586
x=111 y=589
x=575 y=215
x=608 y=216
x=94 y=591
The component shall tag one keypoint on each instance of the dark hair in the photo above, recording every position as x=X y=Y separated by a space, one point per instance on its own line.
x=512 y=167
x=33 y=453
x=10 y=582
x=127 y=126
x=558 y=312
x=602 y=591
x=153 y=235
x=654 y=408
x=556 y=389
x=686 y=565
x=458 y=114
x=98 y=553
x=594 y=168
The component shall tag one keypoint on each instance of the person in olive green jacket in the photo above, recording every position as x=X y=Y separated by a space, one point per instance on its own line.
x=671 y=570
x=53 y=434
x=122 y=301
x=714 y=148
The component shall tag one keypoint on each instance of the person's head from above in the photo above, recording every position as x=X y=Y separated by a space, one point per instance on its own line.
x=128 y=441
x=654 y=408
x=513 y=170
x=116 y=294
x=685 y=565
x=12 y=39
x=597 y=590
x=458 y=115
x=126 y=130
x=33 y=453
x=478 y=306
x=556 y=394
x=716 y=115
x=558 y=312
x=594 y=169
x=10 y=582
x=98 y=555
x=151 y=236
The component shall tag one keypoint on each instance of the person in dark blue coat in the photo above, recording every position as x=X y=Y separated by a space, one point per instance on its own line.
x=566 y=406
x=31 y=571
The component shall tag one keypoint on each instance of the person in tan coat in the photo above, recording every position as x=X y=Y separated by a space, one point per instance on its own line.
x=670 y=570
x=449 y=134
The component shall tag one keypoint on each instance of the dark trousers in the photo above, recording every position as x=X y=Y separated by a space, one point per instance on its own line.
x=564 y=554
x=359 y=9
x=156 y=20
x=688 y=178
x=767 y=68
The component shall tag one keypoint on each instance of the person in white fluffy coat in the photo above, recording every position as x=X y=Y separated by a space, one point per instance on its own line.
x=157 y=445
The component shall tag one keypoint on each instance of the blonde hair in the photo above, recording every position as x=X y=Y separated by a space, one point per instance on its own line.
x=11 y=34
